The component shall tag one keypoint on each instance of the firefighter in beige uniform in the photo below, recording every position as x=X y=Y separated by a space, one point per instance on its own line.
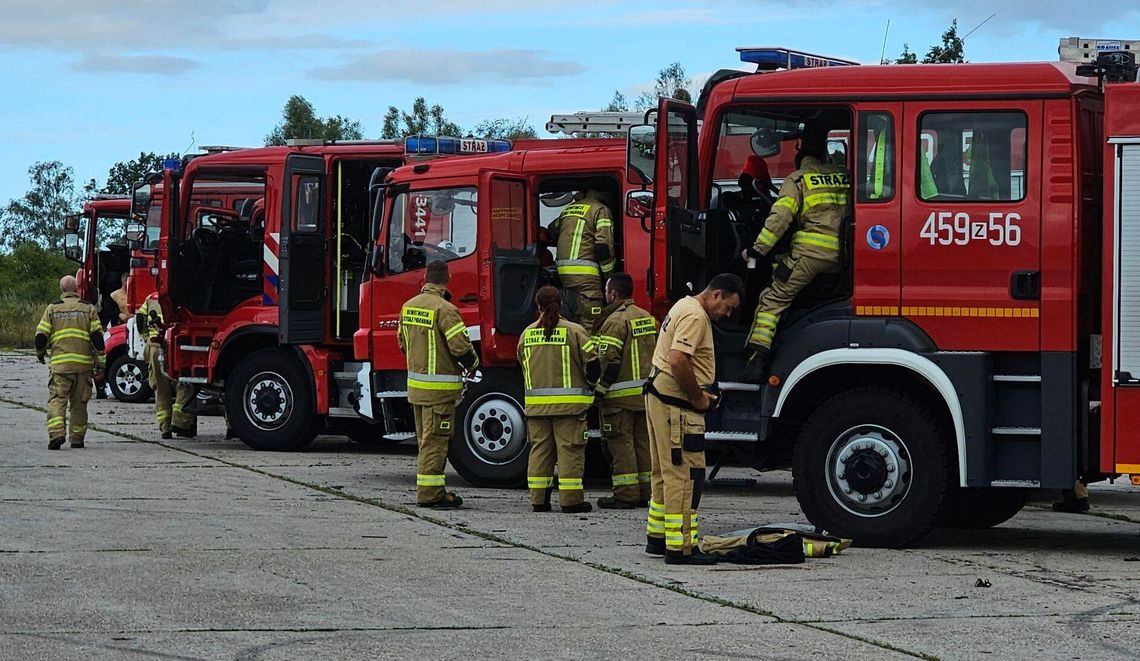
x=813 y=202
x=175 y=411
x=438 y=349
x=560 y=367
x=70 y=328
x=626 y=336
x=677 y=397
x=585 y=255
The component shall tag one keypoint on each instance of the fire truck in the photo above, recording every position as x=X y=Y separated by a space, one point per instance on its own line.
x=487 y=217
x=105 y=219
x=264 y=297
x=979 y=338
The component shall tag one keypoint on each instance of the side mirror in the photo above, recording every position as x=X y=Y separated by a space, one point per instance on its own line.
x=639 y=204
x=140 y=201
x=71 y=249
x=71 y=223
x=135 y=235
x=641 y=148
x=376 y=259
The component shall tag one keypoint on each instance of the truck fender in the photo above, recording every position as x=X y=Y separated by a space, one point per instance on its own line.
x=914 y=362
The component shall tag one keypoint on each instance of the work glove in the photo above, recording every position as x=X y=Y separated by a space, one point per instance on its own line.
x=100 y=378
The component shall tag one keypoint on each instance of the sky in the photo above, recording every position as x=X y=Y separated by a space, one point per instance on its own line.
x=95 y=82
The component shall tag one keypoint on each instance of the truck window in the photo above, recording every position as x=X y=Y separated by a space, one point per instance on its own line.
x=971 y=156
x=431 y=224
x=307 y=217
x=508 y=214
x=875 y=167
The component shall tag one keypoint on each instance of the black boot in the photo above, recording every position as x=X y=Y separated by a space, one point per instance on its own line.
x=1070 y=503
x=448 y=501
x=615 y=503
x=694 y=558
x=580 y=508
x=544 y=506
x=56 y=443
x=654 y=545
x=757 y=368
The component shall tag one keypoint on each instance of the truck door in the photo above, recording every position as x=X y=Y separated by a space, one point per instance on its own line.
x=971 y=223
x=675 y=185
x=302 y=255
x=515 y=261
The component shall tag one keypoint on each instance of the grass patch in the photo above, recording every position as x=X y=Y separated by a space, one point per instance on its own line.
x=18 y=319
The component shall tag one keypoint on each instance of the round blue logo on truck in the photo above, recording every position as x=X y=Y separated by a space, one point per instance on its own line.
x=878 y=237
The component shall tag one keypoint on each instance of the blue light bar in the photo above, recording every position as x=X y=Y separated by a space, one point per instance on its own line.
x=771 y=58
x=172 y=164
x=433 y=145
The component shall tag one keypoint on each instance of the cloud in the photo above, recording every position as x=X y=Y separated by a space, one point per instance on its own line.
x=152 y=64
x=452 y=67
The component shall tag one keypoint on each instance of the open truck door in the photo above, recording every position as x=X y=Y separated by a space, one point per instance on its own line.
x=301 y=257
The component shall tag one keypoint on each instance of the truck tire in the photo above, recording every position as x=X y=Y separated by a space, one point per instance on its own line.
x=269 y=401
x=985 y=507
x=127 y=379
x=489 y=447
x=873 y=465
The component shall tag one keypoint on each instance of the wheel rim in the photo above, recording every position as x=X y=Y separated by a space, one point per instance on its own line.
x=268 y=401
x=128 y=378
x=868 y=471
x=495 y=429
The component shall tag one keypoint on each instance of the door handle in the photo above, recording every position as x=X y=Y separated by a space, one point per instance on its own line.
x=469 y=299
x=1025 y=285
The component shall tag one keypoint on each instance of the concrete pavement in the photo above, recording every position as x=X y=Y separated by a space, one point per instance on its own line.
x=131 y=548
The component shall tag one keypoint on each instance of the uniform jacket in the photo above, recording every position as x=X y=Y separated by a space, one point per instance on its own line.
x=687 y=329
x=119 y=296
x=559 y=372
x=625 y=335
x=438 y=349
x=813 y=202
x=70 y=328
x=582 y=227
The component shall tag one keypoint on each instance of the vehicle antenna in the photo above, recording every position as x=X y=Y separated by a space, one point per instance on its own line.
x=192 y=141
x=883 y=53
x=979 y=25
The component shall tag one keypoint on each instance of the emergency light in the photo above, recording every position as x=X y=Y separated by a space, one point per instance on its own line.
x=422 y=144
x=768 y=58
x=172 y=164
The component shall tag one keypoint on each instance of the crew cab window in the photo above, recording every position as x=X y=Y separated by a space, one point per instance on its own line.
x=508 y=214
x=307 y=217
x=427 y=225
x=971 y=156
x=875 y=167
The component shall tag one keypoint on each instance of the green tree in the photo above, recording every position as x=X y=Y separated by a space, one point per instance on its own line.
x=300 y=120
x=907 y=57
x=124 y=174
x=422 y=120
x=672 y=81
x=37 y=217
x=618 y=103
x=504 y=129
x=952 y=50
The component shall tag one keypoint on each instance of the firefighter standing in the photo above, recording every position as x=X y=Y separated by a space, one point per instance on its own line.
x=174 y=404
x=677 y=397
x=434 y=339
x=560 y=367
x=585 y=254
x=70 y=328
x=626 y=336
x=813 y=202
x=119 y=296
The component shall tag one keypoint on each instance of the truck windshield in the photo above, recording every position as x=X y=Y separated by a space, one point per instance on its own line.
x=426 y=225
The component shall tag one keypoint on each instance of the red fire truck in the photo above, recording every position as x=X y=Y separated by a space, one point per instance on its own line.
x=486 y=216
x=979 y=339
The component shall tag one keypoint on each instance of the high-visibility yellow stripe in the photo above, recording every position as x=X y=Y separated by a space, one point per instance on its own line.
x=539 y=482
x=44 y=327
x=645 y=477
x=609 y=340
x=569 y=483
x=71 y=359
x=625 y=392
x=526 y=368
x=540 y=400
x=55 y=421
x=947 y=311
x=624 y=479
x=656 y=508
x=816 y=239
x=767 y=237
x=635 y=361
x=73 y=333
x=577 y=270
x=576 y=247
x=604 y=222
x=816 y=199
x=431 y=367
x=788 y=203
x=455 y=330
x=430 y=480
x=435 y=385
x=565 y=366
x=414 y=316
x=877 y=310
x=589 y=345
x=96 y=327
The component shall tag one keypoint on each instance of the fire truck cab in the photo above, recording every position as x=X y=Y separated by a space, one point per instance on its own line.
x=487 y=217
x=955 y=360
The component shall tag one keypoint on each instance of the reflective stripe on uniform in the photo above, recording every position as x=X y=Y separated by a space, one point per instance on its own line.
x=71 y=359
x=72 y=333
x=569 y=483
x=767 y=319
x=95 y=326
x=455 y=330
x=539 y=396
x=788 y=203
x=815 y=239
x=654 y=524
x=435 y=381
x=429 y=480
x=767 y=237
x=816 y=199
x=609 y=341
x=645 y=477
x=43 y=327
x=625 y=479
x=626 y=388
x=579 y=229
x=576 y=266
x=539 y=482
x=56 y=421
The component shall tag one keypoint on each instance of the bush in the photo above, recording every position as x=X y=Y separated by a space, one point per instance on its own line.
x=29 y=280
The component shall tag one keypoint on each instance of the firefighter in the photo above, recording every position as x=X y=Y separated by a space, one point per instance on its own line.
x=1075 y=500
x=434 y=340
x=70 y=328
x=625 y=336
x=677 y=396
x=813 y=202
x=119 y=296
x=585 y=254
x=560 y=368
x=174 y=403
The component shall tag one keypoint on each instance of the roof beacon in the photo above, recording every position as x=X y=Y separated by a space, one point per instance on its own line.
x=771 y=58
x=424 y=145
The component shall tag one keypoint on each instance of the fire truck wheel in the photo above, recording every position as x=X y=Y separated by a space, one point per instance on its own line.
x=127 y=379
x=269 y=401
x=873 y=465
x=489 y=447
x=982 y=508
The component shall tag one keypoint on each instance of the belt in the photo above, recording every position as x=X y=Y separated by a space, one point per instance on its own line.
x=679 y=402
